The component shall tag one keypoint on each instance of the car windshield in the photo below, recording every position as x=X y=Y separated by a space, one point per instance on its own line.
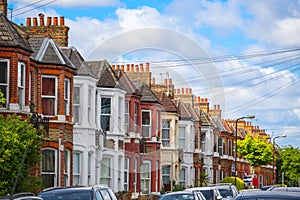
x=208 y=194
x=178 y=197
x=67 y=195
x=226 y=192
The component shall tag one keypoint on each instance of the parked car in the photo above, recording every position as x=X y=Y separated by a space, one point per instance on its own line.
x=266 y=195
x=21 y=196
x=97 y=192
x=183 y=195
x=210 y=193
x=227 y=190
x=285 y=189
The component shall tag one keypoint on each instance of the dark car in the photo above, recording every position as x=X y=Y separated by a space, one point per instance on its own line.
x=266 y=195
x=227 y=191
x=98 y=192
x=21 y=196
x=183 y=195
x=285 y=189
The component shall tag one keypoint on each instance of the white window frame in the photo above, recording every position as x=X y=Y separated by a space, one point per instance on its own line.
x=67 y=83
x=146 y=177
x=165 y=141
x=106 y=114
x=106 y=165
x=135 y=116
x=147 y=135
x=90 y=98
x=120 y=113
x=90 y=156
x=182 y=176
x=135 y=171
x=203 y=141
x=126 y=174
x=126 y=117
x=157 y=124
x=220 y=146
x=21 y=84
x=181 y=138
x=48 y=96
x=76 y=105
x=54 y=173
x=166 y=174
x=77 y=173
x=67 y=168
x=6 y=85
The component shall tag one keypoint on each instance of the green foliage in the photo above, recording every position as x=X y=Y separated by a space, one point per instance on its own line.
x=289 y=158
x=257 y=151
x=239 y=182
x=19 y=155
x=203 y=179
x=2 y=99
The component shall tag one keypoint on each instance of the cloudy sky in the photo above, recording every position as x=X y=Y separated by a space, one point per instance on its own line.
x=242 y=55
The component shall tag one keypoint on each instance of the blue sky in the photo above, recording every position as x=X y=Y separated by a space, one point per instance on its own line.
x=266 y=86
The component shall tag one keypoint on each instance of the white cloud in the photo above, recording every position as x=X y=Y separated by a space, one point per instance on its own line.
x=73 y=3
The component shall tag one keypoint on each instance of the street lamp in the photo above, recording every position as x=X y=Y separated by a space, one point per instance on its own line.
x=274 y=171
x=236 y=139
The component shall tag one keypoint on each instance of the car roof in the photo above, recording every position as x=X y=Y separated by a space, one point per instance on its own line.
x=76 y=188
x=287 y=189
x=268 y=194
x=200 y=188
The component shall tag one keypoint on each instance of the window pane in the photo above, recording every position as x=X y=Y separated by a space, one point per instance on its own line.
x=48 y=86
x=48 y=106
x=105 y=123
x=105 y=105
x=146 y=118
x=3 y=72
x=48 y=161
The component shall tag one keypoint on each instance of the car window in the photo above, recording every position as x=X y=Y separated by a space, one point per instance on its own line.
x=208 y=194
x=105 y=194
x=225 y=192
x=67 y=195
x=179 y=197
x=98 y=196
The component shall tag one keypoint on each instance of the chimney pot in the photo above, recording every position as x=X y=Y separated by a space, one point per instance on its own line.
x=41 y=19
x=34 y=21
x=28 y=22
x=113 y=67
x=62 y=21
x=170 y=82
x=199 y=99
x=147 y=66
x=127 y=67
x=136 y=68
x=55 y=21
x=153 y=81
x=122 y=68
x=141 y=67
x=132 y=68
x=49 y=19
x=117 y=67
x=178 y=91
x=191 y=91
x=187 y=90
x=165 y=81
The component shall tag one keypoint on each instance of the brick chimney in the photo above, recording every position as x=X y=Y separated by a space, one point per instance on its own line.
x=3 y=7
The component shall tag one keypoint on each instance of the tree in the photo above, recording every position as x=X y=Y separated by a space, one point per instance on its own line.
x=257 y=151
x=289 y=158
x=19 y=155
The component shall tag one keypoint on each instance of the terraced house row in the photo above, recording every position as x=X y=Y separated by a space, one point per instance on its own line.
x=112 y=124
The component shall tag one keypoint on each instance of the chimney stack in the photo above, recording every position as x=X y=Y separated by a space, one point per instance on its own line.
x=28 y=21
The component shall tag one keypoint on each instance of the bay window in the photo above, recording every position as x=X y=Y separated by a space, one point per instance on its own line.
x=105 y=114
x=49 y=95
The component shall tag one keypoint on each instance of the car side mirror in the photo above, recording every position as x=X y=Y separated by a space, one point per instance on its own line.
x=219 y=197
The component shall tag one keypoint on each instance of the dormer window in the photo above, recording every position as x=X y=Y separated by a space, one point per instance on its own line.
x=49 y=95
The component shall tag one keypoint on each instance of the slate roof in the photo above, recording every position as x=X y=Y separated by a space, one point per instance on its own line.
x=9 y=36
x=147 y=94
x=46 y=51
x=184 y=111
x=167 y=102
x=219 y=124
x=206 y=120
x=104 y=73
x=76 y=58
x=127 y=83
